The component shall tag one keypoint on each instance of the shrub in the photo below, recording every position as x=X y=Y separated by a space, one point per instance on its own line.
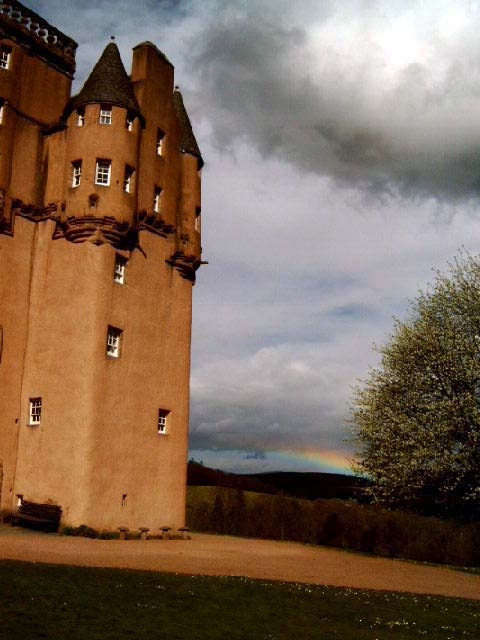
x=346 y=525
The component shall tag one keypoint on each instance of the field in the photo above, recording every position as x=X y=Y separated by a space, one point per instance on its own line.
x=57 y=602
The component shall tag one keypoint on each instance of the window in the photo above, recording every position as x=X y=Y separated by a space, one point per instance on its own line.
x=160 y=142
x=119 y=271
x=5 y=53
x=198 y=211
x=129 y=123
x=2 y=111
x=105 y=114
x=80 y=118
x=157 y=194
x=128 y=180
x=102 y=172
x=76 y=173
x=162 y=421
x=113 y=342
x=35 y=411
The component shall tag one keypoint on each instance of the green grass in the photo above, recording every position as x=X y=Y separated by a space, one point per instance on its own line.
x=58 y=602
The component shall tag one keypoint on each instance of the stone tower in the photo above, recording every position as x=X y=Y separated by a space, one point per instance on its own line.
x=99 y=245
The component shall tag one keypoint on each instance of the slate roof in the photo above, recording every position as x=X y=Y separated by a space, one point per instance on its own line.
x=108 y=84
x=188 y=143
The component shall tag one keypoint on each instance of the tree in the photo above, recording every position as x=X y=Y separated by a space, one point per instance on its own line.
x=416 y=418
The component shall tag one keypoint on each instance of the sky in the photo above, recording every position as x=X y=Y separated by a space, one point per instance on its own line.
x=342 y=149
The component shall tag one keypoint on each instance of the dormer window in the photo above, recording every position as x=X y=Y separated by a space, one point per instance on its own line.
x=105 y=114
x=102 y=172
x=157 y=194
x=5 y=54
x=76 y=173
x=128 y=180
x=160 y=142
x=80 y=118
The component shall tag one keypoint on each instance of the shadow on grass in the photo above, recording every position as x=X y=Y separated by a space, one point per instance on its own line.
x=58 y=602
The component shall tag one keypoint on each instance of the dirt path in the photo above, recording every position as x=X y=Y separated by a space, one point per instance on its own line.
x=224 y=555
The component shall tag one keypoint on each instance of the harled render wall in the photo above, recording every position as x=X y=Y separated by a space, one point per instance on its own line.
x=15 y=274
x=97 y=451
x=34 y=94
x=98 y=440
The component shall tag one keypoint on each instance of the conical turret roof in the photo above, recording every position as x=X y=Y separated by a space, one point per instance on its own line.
x=188 y=143
x=108 y=84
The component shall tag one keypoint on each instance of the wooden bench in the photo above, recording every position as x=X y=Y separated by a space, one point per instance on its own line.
x=38 y=516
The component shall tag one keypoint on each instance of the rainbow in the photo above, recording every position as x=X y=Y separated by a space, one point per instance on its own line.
x=326 y=460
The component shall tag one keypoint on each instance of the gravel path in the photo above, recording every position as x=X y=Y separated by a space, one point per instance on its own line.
x=225 y=555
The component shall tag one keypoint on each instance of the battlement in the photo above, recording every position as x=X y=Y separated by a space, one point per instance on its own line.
x=29 y=29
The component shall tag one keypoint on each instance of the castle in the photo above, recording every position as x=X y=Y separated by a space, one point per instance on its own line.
x=99 y=245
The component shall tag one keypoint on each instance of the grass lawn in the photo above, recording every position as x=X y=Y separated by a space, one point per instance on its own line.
x=59 y=602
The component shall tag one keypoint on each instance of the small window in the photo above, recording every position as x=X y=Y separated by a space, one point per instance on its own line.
x=113 y=342
x=102 y=172
x=2 y=111
x=157 y=194
x=129 y=123
x=128 y=179
x=76 y=173
x=198 y=211
x=162 y=421
x=160 y=142
x=5 y=53
x=120 y=266
x=35 y=411
x=105 y=114
x=80 y=118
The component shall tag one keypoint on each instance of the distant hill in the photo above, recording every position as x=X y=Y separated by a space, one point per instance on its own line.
x=308 y=485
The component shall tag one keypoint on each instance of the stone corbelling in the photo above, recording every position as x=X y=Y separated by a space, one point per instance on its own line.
x=99 y=230
x=6 y=227
x=34 y=213
x=185 y=265
x=96 y=229
x=5 y=224
x=154 y=223
x=47 y=42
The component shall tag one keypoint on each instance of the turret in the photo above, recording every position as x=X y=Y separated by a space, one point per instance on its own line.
x=124 y=158
x=187 y=255
x=95 y=157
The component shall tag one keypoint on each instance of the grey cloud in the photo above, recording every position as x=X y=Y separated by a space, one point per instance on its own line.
x=342 y=113
x=283 y=397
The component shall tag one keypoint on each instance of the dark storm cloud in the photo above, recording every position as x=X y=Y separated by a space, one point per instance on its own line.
x=341 y=107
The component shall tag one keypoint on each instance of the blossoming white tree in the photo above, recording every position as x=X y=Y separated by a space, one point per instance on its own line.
x=416 y=418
